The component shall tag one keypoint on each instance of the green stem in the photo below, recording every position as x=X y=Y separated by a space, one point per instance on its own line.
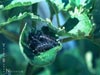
x=67 y=39
x=51 y=17
x=21 y=26
x=29 y=69
x=10 y=35
x=95 y=41
x=57 y=17
x=33 y=70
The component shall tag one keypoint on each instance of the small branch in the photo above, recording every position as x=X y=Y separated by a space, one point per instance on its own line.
x=33 y=70
x=93 y=40
x=51 y=17
x=29 y=69
x=67 y=39
x=21 y=26
x=57 y=17
x=10 y=35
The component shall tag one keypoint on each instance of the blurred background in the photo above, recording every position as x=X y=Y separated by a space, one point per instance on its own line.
x=76 y=57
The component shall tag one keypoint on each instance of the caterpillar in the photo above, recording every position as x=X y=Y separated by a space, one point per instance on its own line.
x=42 y=47
x=48 y=38
x=39 y=42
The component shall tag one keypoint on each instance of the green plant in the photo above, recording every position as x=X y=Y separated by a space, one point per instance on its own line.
x=28 y=22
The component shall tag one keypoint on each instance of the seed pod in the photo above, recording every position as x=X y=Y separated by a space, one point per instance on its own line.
x=39 y=48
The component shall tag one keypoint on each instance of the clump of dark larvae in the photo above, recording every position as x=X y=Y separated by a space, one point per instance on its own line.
x=39 y=42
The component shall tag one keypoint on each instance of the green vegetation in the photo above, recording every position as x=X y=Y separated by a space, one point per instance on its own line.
x=20 y=22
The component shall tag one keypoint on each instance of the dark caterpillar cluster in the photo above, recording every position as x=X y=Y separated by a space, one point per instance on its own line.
x=39 y=42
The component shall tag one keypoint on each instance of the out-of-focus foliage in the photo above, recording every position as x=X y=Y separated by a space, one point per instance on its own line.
x=55 y=6
x=81 y=22
x=70 y=63
x=18 y=3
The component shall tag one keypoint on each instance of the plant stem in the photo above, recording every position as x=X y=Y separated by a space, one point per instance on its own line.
x=51 y=17
x=33 y=70
x=21 y=26
x=29 y=69
x=10 y=35
x=95 y=41
x=58 y=19
x=56 y=13
x=67 y=39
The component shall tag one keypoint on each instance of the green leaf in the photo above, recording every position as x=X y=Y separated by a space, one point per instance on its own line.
x=84 y=26
x=15 y=18
x=24 y=15
x=18 y=3
x=44 y=58
x=74 y=2
x=77 y=2
x=47 y=57
x=55 y=5
x=20 y=17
